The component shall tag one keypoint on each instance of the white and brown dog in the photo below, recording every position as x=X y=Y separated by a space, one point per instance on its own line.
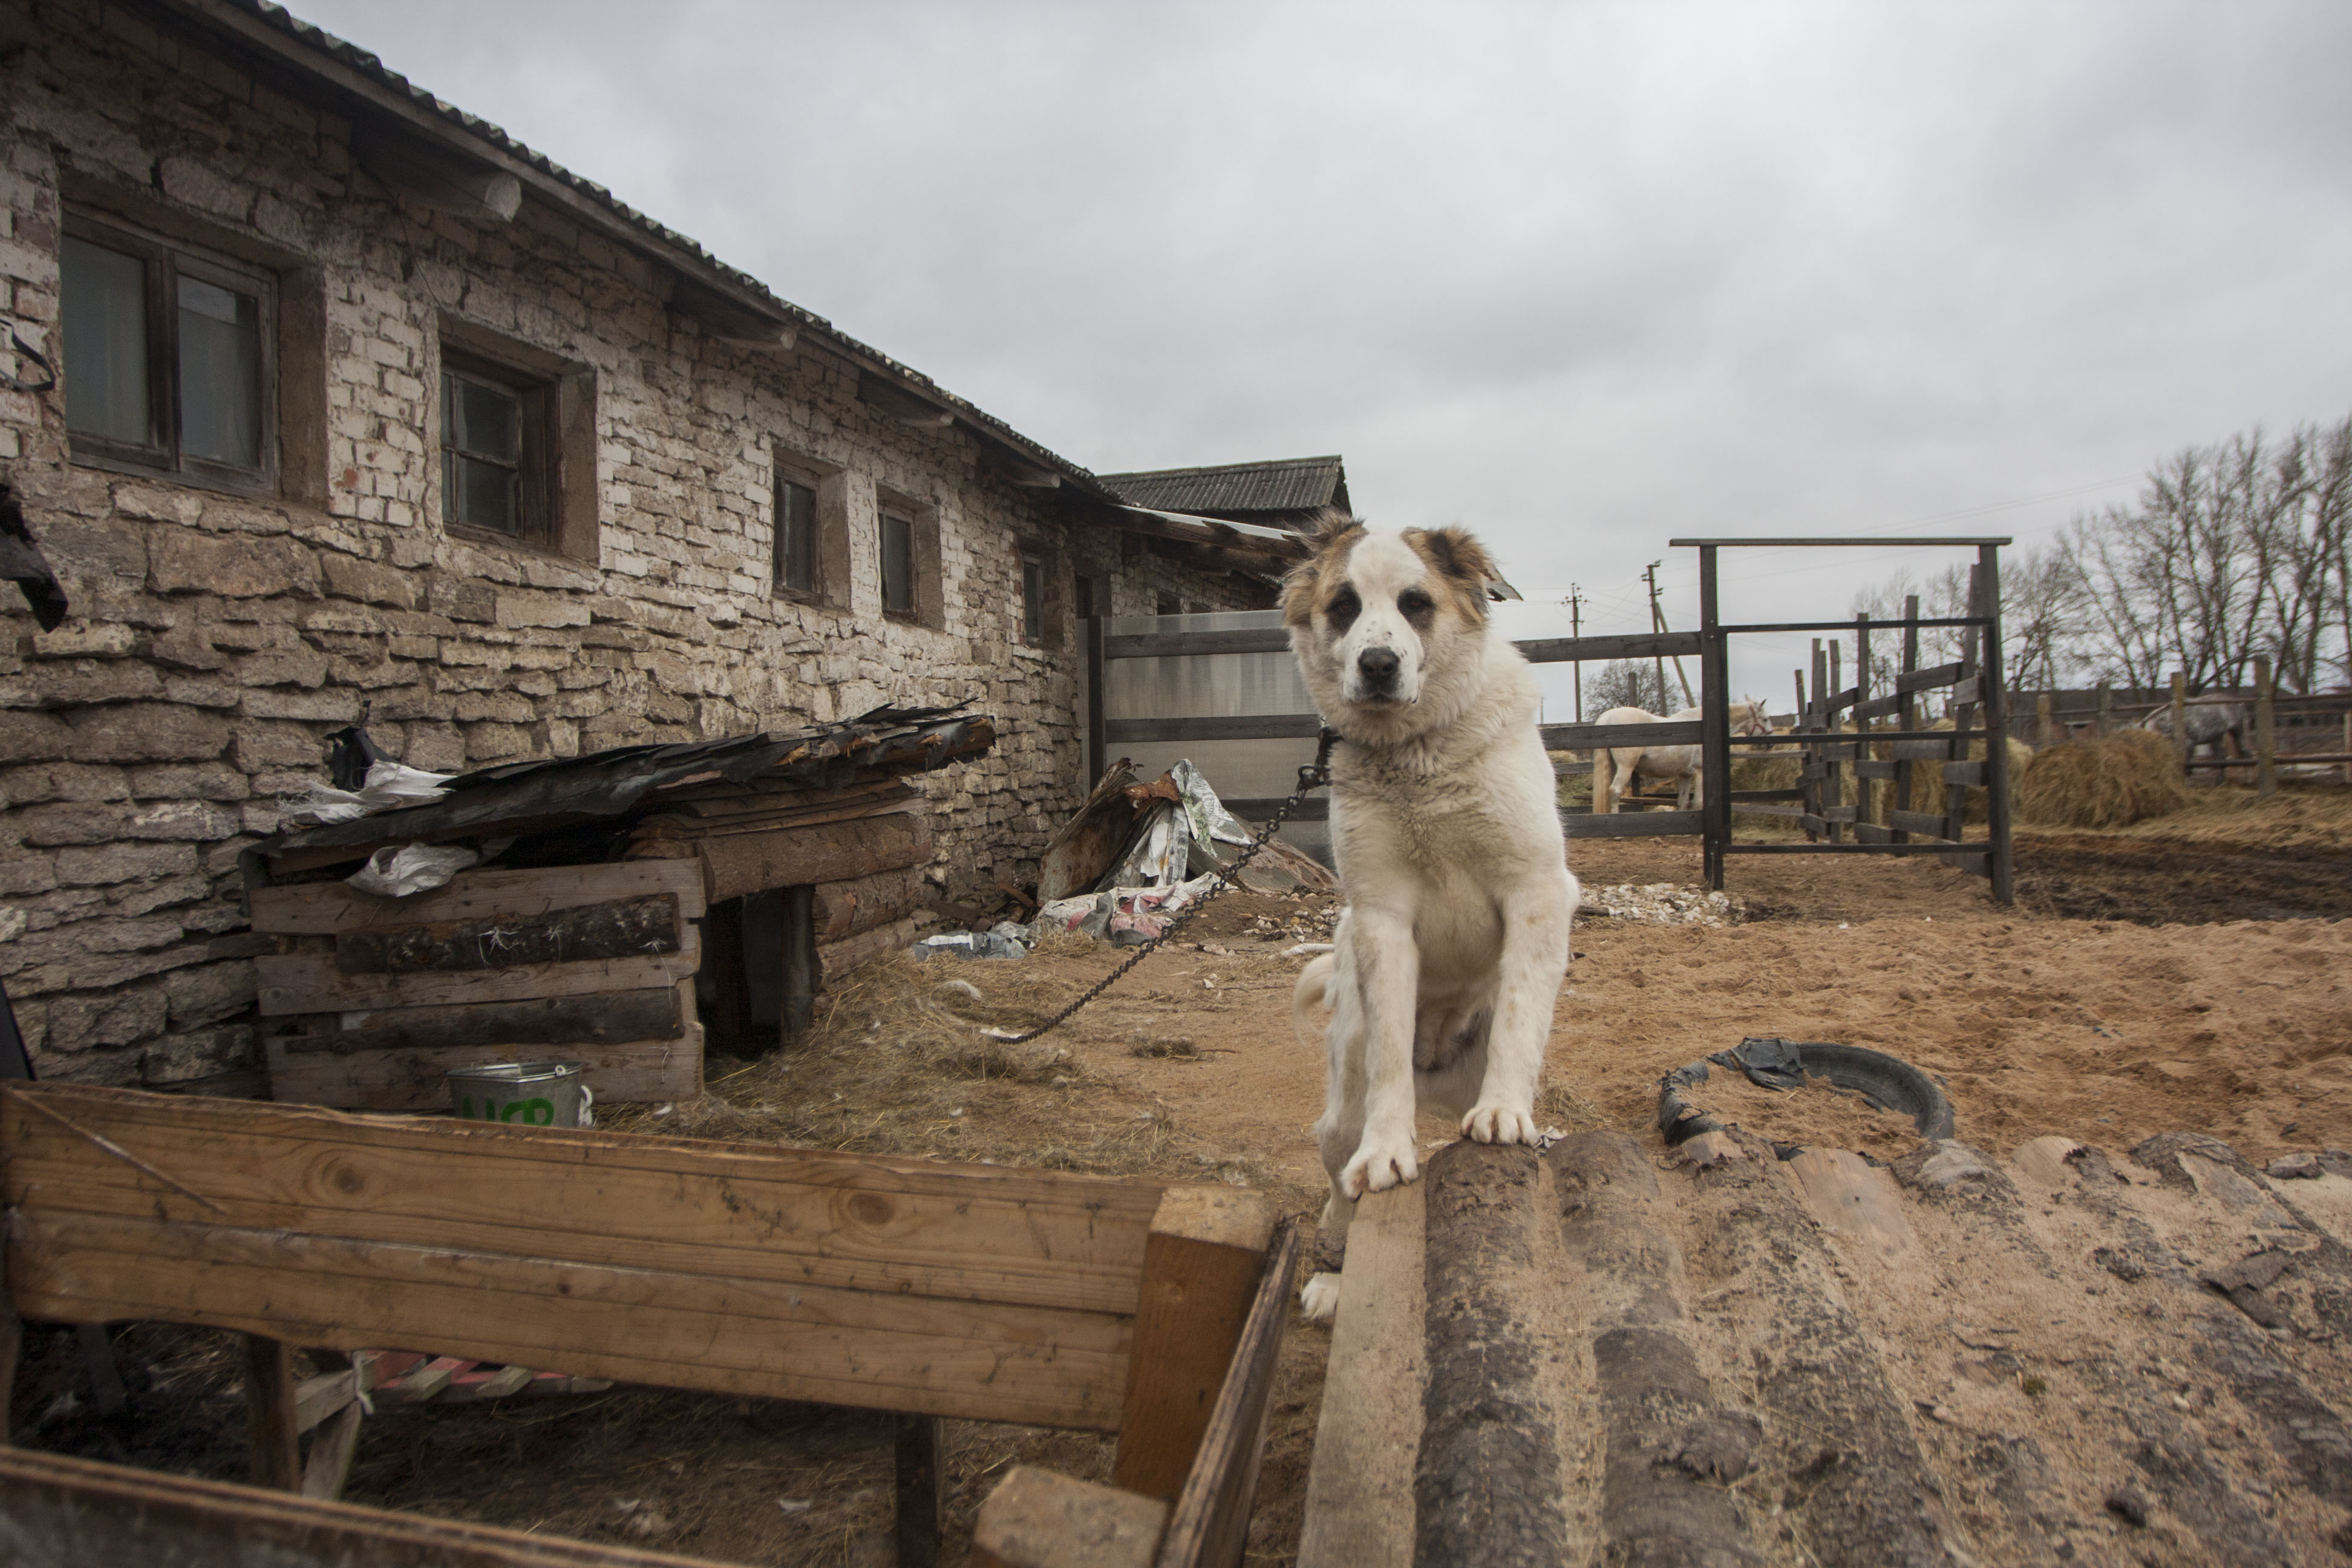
x=1454 y=938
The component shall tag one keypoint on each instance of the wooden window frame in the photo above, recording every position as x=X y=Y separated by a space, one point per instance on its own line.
x=829 y=553
x=926 y=580
x=166 y=262
x=1036 y=619
x=779 y=578
x=540 y=525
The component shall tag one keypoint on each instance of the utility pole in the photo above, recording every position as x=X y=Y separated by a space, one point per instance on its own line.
x=1576 y=630
x=1658 y=624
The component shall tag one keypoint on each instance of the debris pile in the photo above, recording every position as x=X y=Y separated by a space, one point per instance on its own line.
x=1662 y=904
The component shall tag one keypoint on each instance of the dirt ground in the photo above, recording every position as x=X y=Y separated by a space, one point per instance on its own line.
x=2188 y=974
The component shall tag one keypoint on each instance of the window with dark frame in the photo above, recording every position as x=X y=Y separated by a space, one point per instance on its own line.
x=1165 y=604
x=170 y=358
x=898 y=565
x=501 y=469
x=796 y=536
x=1033 y=601
x=1082 y=597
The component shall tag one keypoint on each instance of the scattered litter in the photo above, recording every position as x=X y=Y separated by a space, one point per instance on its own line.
x=396 y=873
x=389 y=785
x=992 y=944
x=963 y=988
x=793 y=1504
x=1662 y=904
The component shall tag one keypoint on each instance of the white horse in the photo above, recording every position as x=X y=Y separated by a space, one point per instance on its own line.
x=1680 y=764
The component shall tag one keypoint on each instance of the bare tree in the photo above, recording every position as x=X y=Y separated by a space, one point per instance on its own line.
x=1626 y=683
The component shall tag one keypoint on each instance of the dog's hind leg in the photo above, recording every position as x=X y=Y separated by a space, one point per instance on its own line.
x=1337 y=1134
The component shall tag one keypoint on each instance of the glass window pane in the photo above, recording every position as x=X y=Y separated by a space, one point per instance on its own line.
x=220 y=373
x=106 y=344
x=485 y=496
x=898 y=564
x=795 y=535
x=1033 y=602
x=489 y=422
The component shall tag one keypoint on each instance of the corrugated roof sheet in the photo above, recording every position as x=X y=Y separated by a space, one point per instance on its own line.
x=360 y=60
x=1288 y=484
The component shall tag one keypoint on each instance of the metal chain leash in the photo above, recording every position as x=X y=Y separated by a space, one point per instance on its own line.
x=1312 y=777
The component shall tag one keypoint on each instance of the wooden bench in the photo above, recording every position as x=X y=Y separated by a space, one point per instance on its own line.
x=984 y=1293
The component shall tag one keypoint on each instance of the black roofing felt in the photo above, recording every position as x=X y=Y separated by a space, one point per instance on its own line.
x=606 y=784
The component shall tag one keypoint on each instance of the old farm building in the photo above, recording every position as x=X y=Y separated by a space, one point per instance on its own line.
x=368 y=410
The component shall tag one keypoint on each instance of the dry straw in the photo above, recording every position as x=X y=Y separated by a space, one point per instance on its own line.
x=2127 y=777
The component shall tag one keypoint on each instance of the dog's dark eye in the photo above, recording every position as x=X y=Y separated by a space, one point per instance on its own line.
x=1345 y=608
x=1417 y=607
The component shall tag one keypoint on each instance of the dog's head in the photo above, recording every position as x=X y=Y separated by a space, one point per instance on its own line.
x=1385 y=622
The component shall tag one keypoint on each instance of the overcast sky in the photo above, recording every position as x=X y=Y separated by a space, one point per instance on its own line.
x=1583 y=277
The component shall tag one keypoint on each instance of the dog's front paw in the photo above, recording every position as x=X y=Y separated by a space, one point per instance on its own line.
x=1377 y=1168
x=1499 y=1124
x=1320 y=1301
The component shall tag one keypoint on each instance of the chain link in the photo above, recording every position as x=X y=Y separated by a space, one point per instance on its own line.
x=1310 y=779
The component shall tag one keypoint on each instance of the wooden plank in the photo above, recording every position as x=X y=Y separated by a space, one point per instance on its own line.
x=1840 y=814
x=423 y=1383
x=1929 y=679
x=1227 y=727
x=744 y=863
x=853 y=1221
x=614 y=1018
x=323 y=908
x=332 y=1449
x=632 y=1072
x=1631 y=824
x=1201 y=1267
x=1876 y=708
x=921 y=1490
x=1193 y=644
x=1932 y=823
x=78 y=1513
x=1036 y=1519
x=1971 y=773
x=975 y=1360
x=1872 y=833
x=320 y=1397
x=1930 y=751
x=1623 y=737
x=620 y=928
x=1210 y=1526
x=1359 y=1480
x=309 y=982
x=273 y=1429
x=1872 y=768
x=1600 y=650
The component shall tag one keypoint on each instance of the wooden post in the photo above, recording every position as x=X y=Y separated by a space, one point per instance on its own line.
x=1956 y=795
x=2106 y=720
x=2347 y=745
x=1200 y=1266
x=1359 y=1508
x=922 y=1490
x=800 y=960
x=2180 y=721
x=2266 y=730
x=1862 y=786
x=1833 y=781
x=1909 y=719
x=2001 y=868
x=1715 y=704
x=272 y=1429
x=2045 y=720
x=1095 y=760
x=1604 y=767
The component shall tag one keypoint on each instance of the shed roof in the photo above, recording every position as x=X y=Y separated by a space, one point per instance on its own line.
x=1281 y=485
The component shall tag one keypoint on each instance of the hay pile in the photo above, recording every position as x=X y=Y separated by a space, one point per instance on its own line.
x=2127 y=777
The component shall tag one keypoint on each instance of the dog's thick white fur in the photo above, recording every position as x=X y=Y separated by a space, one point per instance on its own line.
x=1454 y=936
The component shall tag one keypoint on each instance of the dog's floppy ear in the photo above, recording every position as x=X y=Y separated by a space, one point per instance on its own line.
x=1464 y=560
x=1328 y=534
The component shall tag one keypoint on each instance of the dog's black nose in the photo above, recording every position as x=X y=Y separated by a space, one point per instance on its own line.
x=1379 y=667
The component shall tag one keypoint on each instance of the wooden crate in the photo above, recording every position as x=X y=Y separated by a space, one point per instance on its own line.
x=374 y=999
x=980 y=1292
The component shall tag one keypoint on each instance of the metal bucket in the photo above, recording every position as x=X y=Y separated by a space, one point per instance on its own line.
x=522 y=1094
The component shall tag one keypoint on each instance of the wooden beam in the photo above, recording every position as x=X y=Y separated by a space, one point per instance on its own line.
x=607 y=1018
x=64 y=1511
x=1036 y=1519
x=332 y=1450
x=325 y=908
x=311 y=983
x=403 y=1078
x=799 y=961
x=1220 y=558
x=1360 y=1481
x=1209 y=533
x=921 y=1490
x=439 y=177
x=272 y=1426
x=1210 y=1526
x=1201 y=1267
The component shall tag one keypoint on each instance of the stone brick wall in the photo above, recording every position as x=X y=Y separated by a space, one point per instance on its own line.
x=216 y=638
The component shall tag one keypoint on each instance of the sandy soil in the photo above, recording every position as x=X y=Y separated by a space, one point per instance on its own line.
x=2106 y=1030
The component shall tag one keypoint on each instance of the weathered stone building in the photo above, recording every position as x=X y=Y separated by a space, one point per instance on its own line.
x=368 y=412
